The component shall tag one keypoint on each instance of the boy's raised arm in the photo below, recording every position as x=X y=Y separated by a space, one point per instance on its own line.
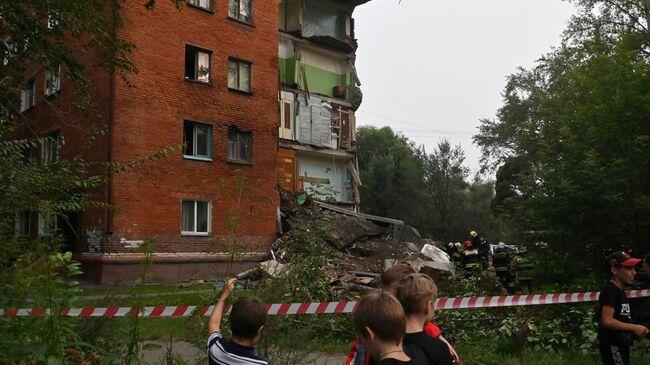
x=214 y=322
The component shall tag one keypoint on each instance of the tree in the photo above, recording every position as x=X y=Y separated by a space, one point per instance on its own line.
x=444 y=184
x=391 y=175
x=572 y=140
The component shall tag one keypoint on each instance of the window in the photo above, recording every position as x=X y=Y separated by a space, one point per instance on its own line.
x=50 y=148
x=53 y=18
x=52 y=81
x=239 y=145
x=239 y=75
x=46 y=226
x=240 y=10
x=197 y=64
x=203 y=4
x=22 y=223
x=28 y=154
x=196 y=217
x=9 y=51
x=28 y=97
x=197 y=138
x=286 y=119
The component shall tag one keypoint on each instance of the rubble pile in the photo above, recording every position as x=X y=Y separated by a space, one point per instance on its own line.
x=359 y=249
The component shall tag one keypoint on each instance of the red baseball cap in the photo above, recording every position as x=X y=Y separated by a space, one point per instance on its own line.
x=622 y=258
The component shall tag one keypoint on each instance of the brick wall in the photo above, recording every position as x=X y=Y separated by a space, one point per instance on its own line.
x=149 y=117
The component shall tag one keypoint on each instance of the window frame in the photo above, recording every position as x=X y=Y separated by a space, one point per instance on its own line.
x=194 y=156
x=53 y=88
x=238 y=18
x=196 y=50
x=237 y=158
x=49 y=141
x=209 y=218
x=19 y=223
x=28 y=96
x=238 y=62
x=197 y=6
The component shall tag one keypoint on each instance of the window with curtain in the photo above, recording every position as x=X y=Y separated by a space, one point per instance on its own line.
x=195 y=217
x=240 y=10
x=239 y=145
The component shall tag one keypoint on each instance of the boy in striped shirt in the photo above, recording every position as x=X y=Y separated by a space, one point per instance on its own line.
x=247 y=319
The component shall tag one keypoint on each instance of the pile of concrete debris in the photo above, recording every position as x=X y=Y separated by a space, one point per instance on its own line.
x=362 y=246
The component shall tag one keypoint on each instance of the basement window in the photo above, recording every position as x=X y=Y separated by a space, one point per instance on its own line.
x=239 y=146
x=203 y=4
x=197 y=138
x=239 y=75
x=240 y=10
x=196 y=218
x=28 y=95
x=197 y=64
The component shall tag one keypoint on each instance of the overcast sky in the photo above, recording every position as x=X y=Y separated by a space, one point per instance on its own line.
x=431 y=69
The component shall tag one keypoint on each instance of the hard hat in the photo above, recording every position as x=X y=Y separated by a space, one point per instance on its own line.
x=468 y=243
x=450 y=245
x=473 y=233
x=459 y=245
x=502 y=245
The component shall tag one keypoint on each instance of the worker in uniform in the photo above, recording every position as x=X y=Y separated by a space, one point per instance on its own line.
x=481 y=245
x=471 y=259
x=502 y=263
x=523 y=270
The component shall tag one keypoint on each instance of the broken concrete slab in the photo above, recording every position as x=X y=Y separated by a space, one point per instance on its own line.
x=344 y=230
x=418 y=265
x=274 y=268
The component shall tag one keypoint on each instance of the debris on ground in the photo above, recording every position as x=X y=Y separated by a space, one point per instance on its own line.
x=361 y=246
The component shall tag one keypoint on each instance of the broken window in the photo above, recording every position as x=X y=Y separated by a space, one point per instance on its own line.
x=239 y=75
x=239 y=145
x=52 y=81
x=203 y=4
x=28 y=97
x=50 y=148
x=197 y=64
x=195 y=217
x=240 y=10
x=197 y=138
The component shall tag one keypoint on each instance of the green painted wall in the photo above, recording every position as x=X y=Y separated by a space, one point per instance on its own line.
x=319 y=80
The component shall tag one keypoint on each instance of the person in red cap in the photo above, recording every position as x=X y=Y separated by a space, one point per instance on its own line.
x=616 y=332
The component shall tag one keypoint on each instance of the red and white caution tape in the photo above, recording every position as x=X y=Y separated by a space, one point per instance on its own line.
x=322 y=307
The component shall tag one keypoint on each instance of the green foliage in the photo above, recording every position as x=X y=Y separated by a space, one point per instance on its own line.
x=573 y=139
x=427 y=191
x=41 y=277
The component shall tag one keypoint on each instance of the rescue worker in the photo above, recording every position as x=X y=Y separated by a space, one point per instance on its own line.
x=524 y=270
x=458 y=254
x=502 y=262
x=481 y=245
x=471 y=259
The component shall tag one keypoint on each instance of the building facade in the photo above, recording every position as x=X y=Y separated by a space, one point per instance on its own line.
x=319 y=94
x=206 y=84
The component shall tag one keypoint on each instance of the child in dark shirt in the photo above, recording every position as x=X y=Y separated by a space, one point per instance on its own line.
x=417 y=294
x=380 y=322
x=616 y=332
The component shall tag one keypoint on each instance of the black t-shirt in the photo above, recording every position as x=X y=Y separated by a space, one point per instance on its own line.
x=396 y=362
x=615 y=297
x=424 y=349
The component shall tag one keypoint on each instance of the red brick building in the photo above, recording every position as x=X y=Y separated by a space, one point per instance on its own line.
x=208 y=77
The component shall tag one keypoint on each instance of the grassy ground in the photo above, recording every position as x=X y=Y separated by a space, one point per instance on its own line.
x=287 y=337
